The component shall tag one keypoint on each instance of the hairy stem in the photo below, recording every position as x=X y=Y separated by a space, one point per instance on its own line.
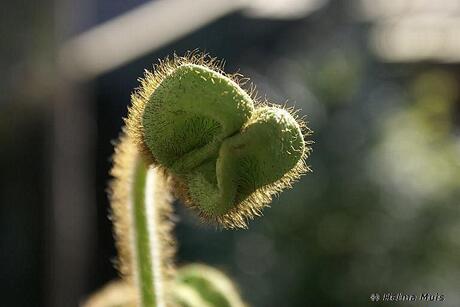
x=145 y=242
x=141 y=215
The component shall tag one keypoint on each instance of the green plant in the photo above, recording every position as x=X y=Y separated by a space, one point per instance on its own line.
x=192 y=127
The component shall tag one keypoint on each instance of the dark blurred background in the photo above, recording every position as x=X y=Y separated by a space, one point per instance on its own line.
x=378 y=82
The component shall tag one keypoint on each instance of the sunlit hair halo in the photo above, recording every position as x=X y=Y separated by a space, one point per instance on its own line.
x=193 y=131
x=226 y=151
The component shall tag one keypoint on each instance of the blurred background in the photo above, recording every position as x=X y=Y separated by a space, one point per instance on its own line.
x=377 y=80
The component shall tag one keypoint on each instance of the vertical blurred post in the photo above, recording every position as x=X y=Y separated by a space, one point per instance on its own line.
x=71 y=220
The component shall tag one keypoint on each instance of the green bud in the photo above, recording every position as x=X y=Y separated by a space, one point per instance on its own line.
x=227 y=157
x=201 y=285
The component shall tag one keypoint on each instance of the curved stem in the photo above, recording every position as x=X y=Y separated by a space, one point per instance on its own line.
x=141 y=214
x=146 y=245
